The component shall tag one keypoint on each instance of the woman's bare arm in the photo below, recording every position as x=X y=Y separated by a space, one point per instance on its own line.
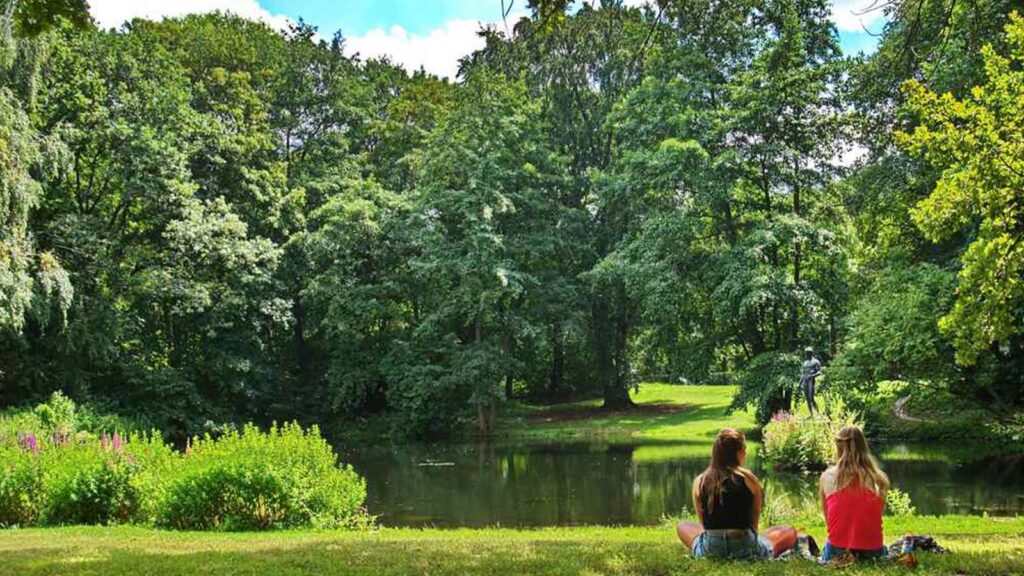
x=696 y=498
x=822 y=493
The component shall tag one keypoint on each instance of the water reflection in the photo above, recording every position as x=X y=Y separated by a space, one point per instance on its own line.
x=574 y=483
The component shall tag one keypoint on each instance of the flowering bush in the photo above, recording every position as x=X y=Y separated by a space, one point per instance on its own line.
x=286 y=477
x=21 y=482
x=793 y=443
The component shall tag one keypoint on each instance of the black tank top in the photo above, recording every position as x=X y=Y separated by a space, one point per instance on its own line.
x=734 y=510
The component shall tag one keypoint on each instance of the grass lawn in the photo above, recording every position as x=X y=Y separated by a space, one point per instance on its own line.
x=979 y=546
x=664 y=412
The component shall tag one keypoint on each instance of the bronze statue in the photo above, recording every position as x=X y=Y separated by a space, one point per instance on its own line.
x=810 y=370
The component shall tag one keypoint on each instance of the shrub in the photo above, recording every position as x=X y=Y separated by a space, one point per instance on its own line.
x=21 y=488
x=99 y=493
x=792 y=443
x=253 y=480
x=60 y=417
x=90 y=481
x=57 y=414
x=55 y=471
x=897 y=503
x=231 y=496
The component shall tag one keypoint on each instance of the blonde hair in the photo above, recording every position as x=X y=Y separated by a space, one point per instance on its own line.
x=855 y=465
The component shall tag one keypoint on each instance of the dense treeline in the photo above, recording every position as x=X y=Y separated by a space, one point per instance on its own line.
x=205 y=219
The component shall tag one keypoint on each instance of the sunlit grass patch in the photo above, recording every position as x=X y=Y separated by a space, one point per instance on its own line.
x=978 y=545
x=665 y=412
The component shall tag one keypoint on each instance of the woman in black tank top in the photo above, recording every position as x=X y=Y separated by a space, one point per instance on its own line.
x=728 y=498
x=733 y=511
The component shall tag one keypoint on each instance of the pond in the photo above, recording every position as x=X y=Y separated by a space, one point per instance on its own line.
x=578 y=483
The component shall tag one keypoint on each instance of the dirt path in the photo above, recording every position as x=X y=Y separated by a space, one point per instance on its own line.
x=899 y=408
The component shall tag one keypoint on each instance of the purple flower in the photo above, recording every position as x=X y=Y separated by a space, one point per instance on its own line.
x=117 y=444
x=30 y=443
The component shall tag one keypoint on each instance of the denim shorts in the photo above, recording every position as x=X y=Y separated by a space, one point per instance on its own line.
x=747 y=547
x=832 y=552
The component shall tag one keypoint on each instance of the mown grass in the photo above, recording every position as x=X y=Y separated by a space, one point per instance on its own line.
x=665 y=412
x=978 y=545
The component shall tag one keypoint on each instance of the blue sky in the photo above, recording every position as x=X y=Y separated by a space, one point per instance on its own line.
x=357 y=17
x=432 y=34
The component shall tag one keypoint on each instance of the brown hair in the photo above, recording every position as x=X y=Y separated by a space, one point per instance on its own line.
x=725 y=461
x=855 y=464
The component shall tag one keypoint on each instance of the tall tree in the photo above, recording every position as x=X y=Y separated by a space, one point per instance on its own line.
x=978 y=142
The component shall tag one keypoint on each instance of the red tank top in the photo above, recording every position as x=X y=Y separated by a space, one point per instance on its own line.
x=854 y=518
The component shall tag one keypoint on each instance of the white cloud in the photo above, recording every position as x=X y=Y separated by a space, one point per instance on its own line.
x=856 y=15
x=113 y=13
x=438 y=51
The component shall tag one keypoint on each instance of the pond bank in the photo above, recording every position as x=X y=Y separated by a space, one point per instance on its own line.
x=978 y=546
x=663 y=412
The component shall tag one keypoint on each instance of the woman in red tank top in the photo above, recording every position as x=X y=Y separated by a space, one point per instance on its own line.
x=853 y=497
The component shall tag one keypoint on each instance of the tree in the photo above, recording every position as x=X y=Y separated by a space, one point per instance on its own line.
x=484 y=214
x=979 y=143
x=29 y=281
x=580 y=67
x=724 y=187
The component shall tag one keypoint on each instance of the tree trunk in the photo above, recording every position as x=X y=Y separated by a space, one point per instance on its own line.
x=612 y=364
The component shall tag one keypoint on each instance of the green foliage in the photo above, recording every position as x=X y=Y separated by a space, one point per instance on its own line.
x=893 y=328
x=33 y=17
x=792 y=443
x=89 y=488
x=765 y=378
x=977 y=140
x=58 y=414
x=932 y=412
x=21 y=488
x=204 y=219
x=897 y=503
x=61 y=416
x=253 y=480
x=59 y=474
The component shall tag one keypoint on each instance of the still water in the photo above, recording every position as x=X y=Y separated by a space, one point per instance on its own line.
x=574 y=483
